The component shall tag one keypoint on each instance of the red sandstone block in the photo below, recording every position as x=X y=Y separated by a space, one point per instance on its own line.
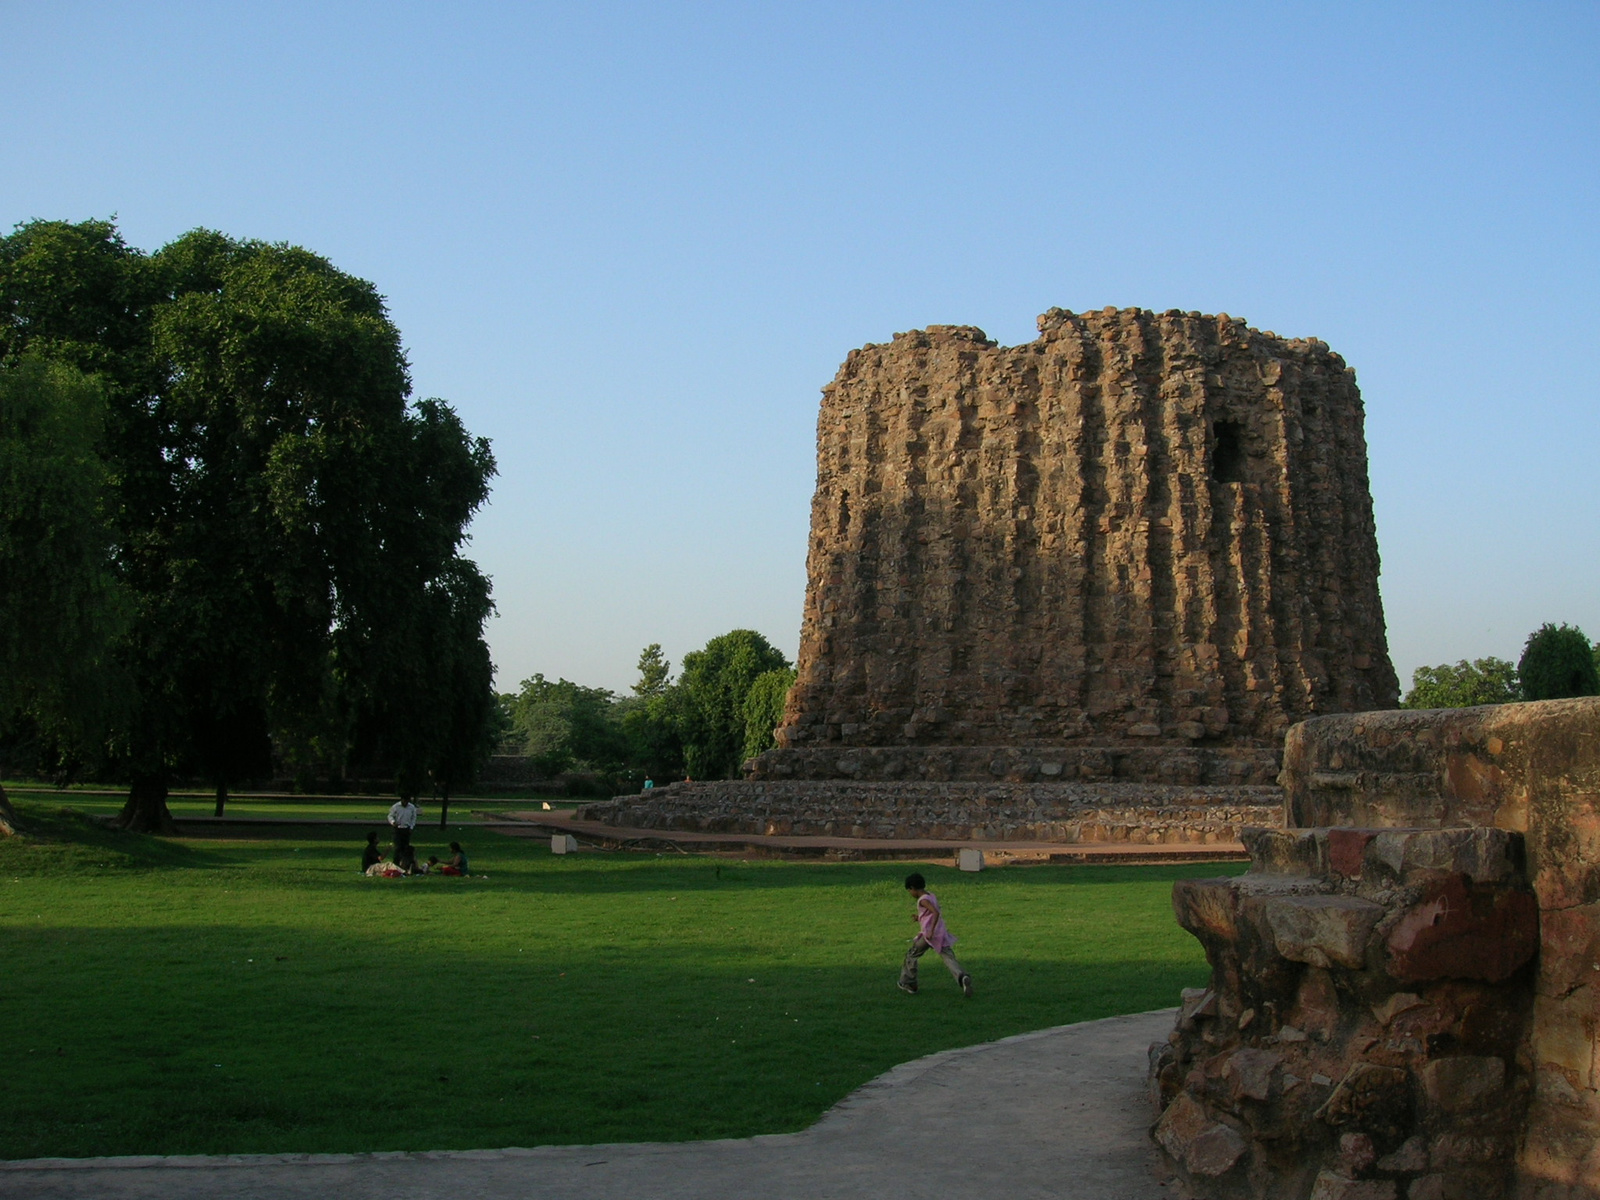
x=1346 y=848
x=1460 y=933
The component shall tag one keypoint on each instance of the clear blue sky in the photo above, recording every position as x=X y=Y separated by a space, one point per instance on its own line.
x=631 y=242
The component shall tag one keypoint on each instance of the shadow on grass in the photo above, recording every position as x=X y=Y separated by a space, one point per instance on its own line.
x=63 y=841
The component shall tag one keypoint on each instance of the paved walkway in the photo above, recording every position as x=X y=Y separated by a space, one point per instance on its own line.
x=1061 y=1114
x=921 y=849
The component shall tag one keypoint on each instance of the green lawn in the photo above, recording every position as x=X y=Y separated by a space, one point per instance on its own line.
x=206 y=995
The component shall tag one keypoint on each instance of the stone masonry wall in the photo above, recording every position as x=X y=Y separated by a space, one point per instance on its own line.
x=1143 y=814
x=1140 y=529
x=1529 y=769
x=1362 y=1036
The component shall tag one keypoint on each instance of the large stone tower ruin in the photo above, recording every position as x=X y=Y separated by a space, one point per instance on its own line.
x=1136 y=548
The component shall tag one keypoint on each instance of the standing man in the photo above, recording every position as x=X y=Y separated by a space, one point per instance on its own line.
x=403 y=816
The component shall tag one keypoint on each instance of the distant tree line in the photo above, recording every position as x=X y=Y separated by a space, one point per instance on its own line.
x=228 y=535
x=1557 y=662
x=720 y=710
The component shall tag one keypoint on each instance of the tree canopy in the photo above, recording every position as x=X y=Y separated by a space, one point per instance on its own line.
x=60 y=603
x=712 y=689
x=1482 y=681
x=287 y=524
x=1558 y=662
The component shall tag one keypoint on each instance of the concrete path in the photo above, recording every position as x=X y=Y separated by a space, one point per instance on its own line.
x=1061 y=1113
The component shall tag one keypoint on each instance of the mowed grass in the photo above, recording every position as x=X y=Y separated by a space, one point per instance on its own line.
x=207 y=996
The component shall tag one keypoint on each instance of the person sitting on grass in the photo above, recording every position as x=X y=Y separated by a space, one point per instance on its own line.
x=458 y=862
x=931 y=935
x=371 y=856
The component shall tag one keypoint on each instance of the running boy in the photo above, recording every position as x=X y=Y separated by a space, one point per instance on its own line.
x=931 y=935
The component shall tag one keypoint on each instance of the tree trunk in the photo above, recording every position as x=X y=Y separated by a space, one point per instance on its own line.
x=8 y=815
x=146 y=810
x=444 y=808
x=222 y=796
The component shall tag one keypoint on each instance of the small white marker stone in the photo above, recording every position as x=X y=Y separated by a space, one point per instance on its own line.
x=969 y=860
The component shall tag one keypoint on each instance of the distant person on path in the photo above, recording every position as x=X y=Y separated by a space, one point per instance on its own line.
x=403 y=816
x=371 y=856
x=931 y=935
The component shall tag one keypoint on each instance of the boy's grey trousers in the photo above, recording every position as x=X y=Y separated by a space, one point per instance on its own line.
x=920 y=946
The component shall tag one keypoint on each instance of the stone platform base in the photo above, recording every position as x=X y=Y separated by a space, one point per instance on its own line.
x=1143 y=813
x=1155 y=763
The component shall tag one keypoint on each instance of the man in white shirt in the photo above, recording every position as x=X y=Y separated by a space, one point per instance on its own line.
x=403 y=816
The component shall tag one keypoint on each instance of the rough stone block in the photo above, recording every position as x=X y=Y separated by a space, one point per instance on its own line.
x=1462 y=1083
x=1251 y=1071
x=1203 y=1146
x=1366 y=1086
x=1336 y=1187
x=1411 y=1156
x=1286 y=851
x=1482 y=855
x=1324 y=931
x=1459 y=933
x=1207 y=908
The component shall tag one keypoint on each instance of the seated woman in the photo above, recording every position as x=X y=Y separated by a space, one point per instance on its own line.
x=371 y=856
x=458 y=861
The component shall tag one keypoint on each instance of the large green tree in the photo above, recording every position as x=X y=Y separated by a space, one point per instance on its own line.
x=710 y=700
x=1558 y=662
x=285 y=517
x=60 y=605
x=564 y=725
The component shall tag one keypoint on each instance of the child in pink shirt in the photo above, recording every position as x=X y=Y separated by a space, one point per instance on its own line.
x=931 y=935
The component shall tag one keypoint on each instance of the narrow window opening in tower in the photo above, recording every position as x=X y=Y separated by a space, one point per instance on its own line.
x=1227 y=457
x=844 y=512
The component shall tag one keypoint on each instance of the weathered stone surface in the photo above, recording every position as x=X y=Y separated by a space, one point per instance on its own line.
x=1365 y=1086
x=1569 y=949
x=1330 y=1186
x=1205 y=1147
x=1338 y=1082
x=1396 y=1004
x=1207 y=908
x=1347 y=848
x=1412 y=1155
x=1464 y=933
x=1251 y=1070
x=1139 y=529
x=1461 y=812
x=1462 y=1083
x=1324 y=931
x=1482 y=855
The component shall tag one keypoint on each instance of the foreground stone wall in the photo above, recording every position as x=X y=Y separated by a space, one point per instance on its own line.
x=1435 y=910
x=1139 y=529
x=1532 y=768
x=1362 y=1033
x=1142 y=814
